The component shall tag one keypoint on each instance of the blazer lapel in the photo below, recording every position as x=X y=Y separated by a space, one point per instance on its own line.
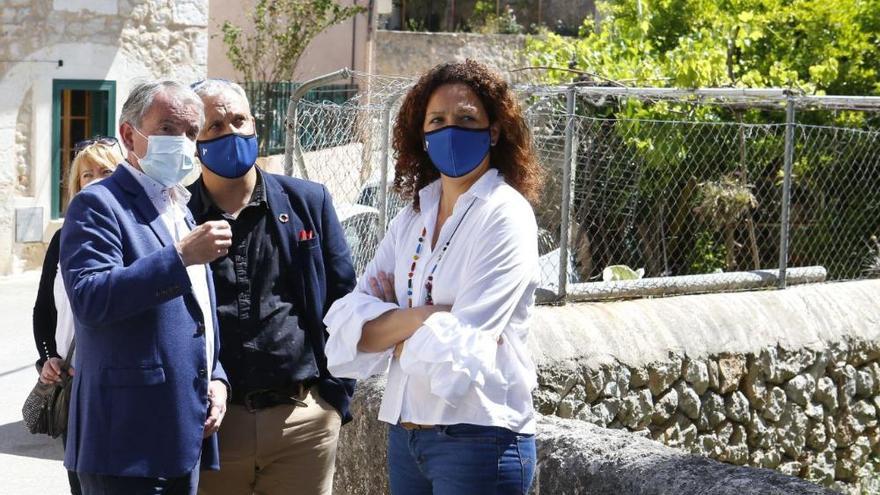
x=287 y=223
x=145 y=207
x=152 y=216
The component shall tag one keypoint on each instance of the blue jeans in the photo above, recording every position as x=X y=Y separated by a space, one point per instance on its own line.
x=458 y=459
x=99 y=484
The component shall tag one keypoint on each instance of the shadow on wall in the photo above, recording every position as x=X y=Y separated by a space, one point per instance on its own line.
x=578 y=458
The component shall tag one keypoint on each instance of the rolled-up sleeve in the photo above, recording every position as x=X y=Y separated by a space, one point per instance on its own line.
x=347 y=316
x=457 y=349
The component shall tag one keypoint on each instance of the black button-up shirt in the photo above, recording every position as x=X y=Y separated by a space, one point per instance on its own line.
x=261 y=343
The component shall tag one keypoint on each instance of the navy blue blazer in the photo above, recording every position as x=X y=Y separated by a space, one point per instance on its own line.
x=320 y=269
x=140 y=392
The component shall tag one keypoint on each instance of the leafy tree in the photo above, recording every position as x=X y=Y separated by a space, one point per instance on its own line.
x=269 y=51
x=814 y=46
x=282 y=29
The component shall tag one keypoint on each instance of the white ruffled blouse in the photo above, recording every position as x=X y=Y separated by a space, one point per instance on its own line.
x=471 y=364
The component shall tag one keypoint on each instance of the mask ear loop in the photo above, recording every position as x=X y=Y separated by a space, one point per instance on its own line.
x=132 y=147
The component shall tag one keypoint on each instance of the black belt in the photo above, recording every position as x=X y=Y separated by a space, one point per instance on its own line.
x=255 y=400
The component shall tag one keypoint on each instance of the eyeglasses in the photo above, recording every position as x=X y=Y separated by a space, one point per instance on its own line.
x=102 y=140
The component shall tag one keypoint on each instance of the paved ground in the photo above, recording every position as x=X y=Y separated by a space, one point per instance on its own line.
x=29 y=464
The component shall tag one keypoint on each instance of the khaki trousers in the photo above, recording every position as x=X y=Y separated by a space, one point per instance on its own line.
x=281 y=450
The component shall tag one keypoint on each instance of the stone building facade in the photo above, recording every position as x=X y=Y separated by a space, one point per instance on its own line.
x=60 y=58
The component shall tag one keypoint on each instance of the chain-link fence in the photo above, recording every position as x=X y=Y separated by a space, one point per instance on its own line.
x=835 y=201
x=269 y=105
x=647 y=191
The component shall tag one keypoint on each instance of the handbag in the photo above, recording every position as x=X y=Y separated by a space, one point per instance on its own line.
x=46 y=407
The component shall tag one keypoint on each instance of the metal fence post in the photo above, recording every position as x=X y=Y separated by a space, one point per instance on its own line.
x=383 y=168
x=567 y=177
x=786 y=190
x=383 y=171
x=292 y=147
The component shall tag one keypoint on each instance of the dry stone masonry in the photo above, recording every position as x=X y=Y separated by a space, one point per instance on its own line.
x=807 y=413
x=806 y=406
x=574 y=458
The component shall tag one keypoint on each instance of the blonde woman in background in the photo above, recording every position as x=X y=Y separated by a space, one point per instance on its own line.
x=53 y=320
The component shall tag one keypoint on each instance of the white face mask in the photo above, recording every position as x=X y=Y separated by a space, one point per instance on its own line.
x=169 y=158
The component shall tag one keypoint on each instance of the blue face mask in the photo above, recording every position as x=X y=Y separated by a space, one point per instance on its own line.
x=457 y=151
x=229 y=156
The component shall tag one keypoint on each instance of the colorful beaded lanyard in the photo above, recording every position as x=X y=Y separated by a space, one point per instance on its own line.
x=429 y=284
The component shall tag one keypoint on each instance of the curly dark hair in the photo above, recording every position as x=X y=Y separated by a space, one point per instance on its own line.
x=513 y=155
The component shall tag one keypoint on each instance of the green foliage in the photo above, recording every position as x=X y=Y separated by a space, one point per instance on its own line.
x=813 y=45
x=282 y=29
x=708 y=255
x=482 y=10
x=486 y=22
x=417 y=25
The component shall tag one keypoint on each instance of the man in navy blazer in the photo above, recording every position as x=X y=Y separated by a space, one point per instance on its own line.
x=287 y=264
x=149 y=393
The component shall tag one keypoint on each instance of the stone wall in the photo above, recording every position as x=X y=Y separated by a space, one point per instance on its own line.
x=169 y=37
x=573 y=458
x=792 y=381
x=117 y=40
x=788 y=380
x=23 y=126
x=405 y=53
x=807 y=413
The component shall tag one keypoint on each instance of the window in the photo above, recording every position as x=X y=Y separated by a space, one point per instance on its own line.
x=81 y=109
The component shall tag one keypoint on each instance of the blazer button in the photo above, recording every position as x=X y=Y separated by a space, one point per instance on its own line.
x=203 y=372
x=200 y=329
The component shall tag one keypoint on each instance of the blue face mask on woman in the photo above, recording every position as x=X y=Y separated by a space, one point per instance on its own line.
x=457 y=151
x=229 y=156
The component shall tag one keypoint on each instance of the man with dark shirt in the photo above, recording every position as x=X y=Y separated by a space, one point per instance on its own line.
x=288 y=262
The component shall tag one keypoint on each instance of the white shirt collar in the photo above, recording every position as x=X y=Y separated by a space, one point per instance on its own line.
x=430 y=194
x=156 y=191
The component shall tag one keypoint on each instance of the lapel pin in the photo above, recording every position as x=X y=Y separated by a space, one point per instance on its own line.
x=283 y=217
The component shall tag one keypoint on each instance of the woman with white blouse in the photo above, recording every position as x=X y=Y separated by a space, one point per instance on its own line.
x=444 y=306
